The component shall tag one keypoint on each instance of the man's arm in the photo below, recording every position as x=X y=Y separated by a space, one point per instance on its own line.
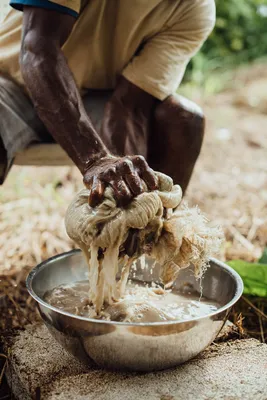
x=52 y=87
x=58 y=103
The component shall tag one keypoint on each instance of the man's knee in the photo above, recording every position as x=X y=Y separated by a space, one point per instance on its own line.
x=182 y=118
x=188 y=106
x=177 y=108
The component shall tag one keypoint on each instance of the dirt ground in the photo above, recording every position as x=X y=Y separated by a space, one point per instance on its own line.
x=230 y=179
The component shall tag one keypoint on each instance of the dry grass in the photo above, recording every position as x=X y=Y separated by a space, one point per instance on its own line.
x=229 y=184
x=230 y=181
x=33 y=204
x=32 y=219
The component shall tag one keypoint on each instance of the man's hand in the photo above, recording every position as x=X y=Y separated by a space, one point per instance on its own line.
x=126 y=176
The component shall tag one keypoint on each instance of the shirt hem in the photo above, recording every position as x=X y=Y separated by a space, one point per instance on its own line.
x=155 y=92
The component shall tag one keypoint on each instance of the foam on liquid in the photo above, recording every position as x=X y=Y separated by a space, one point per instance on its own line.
x=139 y=304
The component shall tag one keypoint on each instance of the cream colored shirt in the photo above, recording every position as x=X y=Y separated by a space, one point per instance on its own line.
x=149 y=42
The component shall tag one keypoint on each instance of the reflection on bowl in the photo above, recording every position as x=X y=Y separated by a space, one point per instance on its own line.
x=133 y=346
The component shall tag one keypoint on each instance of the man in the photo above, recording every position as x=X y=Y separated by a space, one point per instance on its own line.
x=60 y=53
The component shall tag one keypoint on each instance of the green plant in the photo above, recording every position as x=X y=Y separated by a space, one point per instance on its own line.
x=254 y=275
x=239 y=36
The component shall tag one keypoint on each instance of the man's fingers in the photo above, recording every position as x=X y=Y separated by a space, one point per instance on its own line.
x=87 y=181
x=130 y=176
x=150 y=178
x=122 y=194
x=132 y=242
x=125 y=175
x=134 y=182
x=145 y=172
x=97 y=192
x=113 y=177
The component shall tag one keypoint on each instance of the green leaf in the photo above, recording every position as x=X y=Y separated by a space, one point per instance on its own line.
x=254 y=277
x=263 y=259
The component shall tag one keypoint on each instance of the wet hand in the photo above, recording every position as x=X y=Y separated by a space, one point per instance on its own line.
x=124 y=174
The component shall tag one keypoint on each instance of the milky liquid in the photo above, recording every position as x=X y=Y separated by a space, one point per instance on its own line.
x=139 y=304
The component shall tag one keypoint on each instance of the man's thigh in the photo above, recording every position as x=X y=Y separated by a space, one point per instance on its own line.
x=20 y=126
x=94 y=103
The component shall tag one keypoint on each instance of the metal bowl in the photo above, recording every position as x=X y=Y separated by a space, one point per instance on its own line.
x=133 y=346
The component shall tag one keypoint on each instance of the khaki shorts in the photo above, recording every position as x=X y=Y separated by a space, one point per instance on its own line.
x=20 y=126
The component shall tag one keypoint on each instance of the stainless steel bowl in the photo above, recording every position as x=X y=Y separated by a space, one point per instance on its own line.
x=133 y=346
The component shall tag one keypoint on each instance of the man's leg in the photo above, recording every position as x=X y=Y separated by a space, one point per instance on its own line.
x=94 y=103
x=176 y=138
x=19 y=125
x=21 y=129
x=176 y=133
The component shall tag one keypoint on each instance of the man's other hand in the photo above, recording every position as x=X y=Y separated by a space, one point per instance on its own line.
x=126 y=176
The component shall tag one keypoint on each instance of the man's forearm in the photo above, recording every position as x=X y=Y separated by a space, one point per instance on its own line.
x=58 y=103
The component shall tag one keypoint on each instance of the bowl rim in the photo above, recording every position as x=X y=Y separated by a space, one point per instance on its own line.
x=32 y=274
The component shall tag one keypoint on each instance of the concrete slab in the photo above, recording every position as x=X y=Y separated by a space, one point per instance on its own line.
x=40 y=369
